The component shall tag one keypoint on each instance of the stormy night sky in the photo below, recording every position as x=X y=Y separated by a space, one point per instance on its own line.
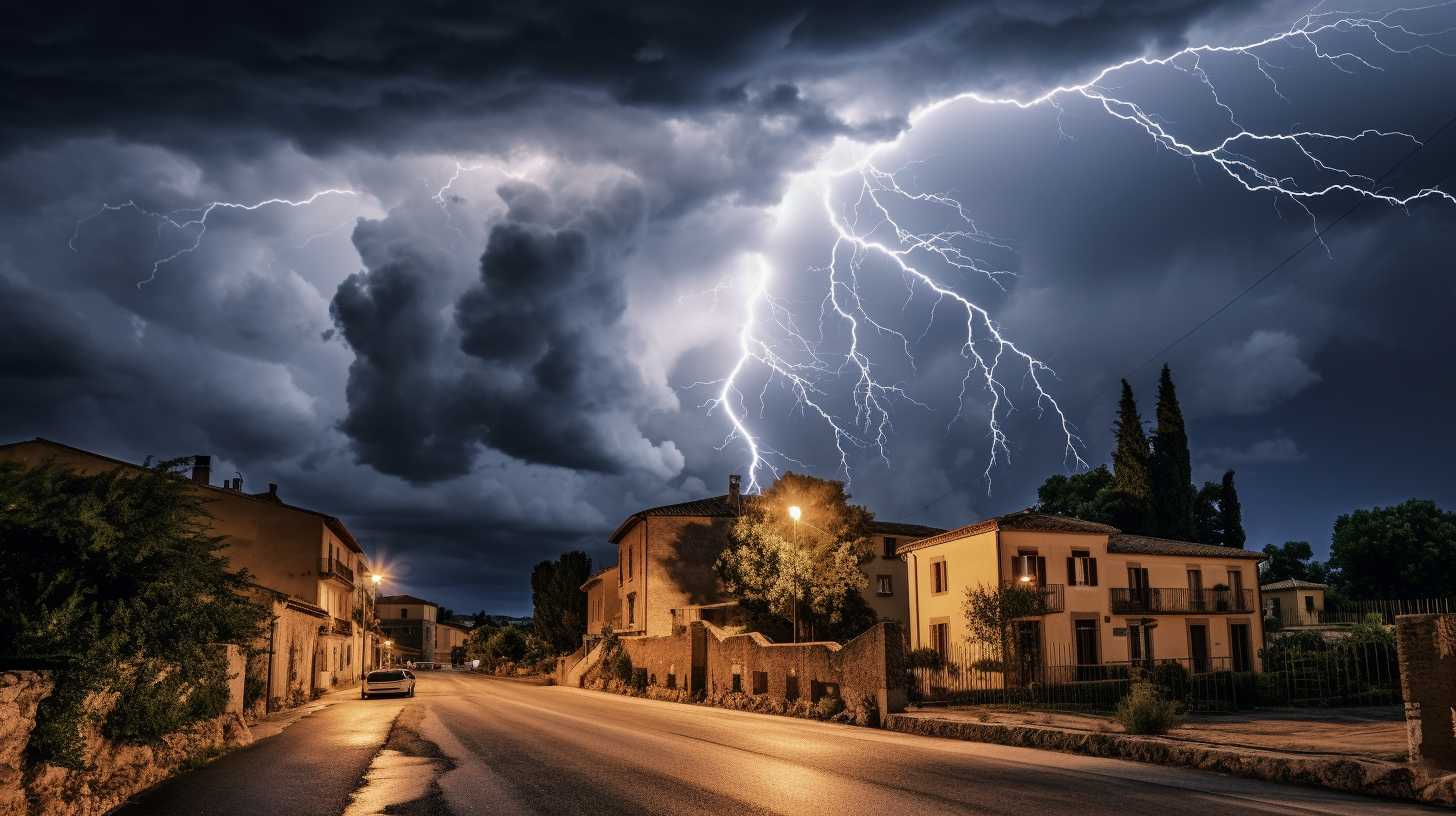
x=538 y=226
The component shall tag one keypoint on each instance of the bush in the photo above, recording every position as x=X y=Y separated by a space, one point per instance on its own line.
x=924 y=659
x=1146 y=711
x=1171 y=679
x=621 y=667
x=828 y=706
x=639 y=679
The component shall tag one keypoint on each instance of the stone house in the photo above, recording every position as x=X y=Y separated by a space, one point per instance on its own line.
x=1294 y=603
x=664 y=575
x=305 y=564
x=1108 y=597
x=449 y=636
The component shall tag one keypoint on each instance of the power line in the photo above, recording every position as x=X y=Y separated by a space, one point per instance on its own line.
x=1306 y=245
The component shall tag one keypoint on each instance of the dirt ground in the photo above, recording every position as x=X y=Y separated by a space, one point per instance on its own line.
x=1376 y=731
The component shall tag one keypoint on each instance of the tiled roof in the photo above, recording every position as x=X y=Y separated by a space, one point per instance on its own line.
x=404 y=599
x=1028 y=520
x=903 y=530
x=1147 y=545
x=1292 y=583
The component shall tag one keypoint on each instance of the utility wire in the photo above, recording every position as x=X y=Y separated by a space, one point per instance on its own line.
x=1306 y=245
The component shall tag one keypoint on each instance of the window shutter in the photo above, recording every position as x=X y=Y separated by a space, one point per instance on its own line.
x=1015 y=567
x=1091 y=572
x=1041 y=573
x=1071 y=571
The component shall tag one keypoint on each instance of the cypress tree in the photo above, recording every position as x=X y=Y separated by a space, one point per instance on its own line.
x=1171 y=466
x=1130 y=458
x=1231 y=516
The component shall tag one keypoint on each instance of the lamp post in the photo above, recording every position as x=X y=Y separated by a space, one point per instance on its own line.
x=376 y=579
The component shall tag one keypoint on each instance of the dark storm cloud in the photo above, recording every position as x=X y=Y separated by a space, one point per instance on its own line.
x=536 y=363
x=335 y=73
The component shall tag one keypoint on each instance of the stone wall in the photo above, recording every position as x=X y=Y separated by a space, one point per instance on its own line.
x=1427 y=646
x=863 y=672
x=111 y=772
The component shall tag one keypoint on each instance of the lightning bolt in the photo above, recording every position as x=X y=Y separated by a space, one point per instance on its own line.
x=867 y=228
x=193 y=220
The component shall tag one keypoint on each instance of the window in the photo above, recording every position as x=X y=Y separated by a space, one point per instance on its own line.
x=1081 y=569
x=1139 y=641
x=630 y=571
x=1236 y=582
x=632 y=608
x=938 y=578
x=760 y=682
x=403 y=613
x=940 y=639
x=883 y=585
x=1309 y=603
x=1028 y=568
x=889 y=547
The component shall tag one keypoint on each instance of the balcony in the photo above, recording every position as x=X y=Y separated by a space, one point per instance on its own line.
x=1181 y=601
x=329 y=566
x=1052 y=596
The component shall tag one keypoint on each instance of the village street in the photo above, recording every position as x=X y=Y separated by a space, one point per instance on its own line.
x=470 y=744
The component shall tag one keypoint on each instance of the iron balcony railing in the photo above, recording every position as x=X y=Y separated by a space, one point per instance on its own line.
x=330 y=566
x=1131 y=601
x=1053 y=596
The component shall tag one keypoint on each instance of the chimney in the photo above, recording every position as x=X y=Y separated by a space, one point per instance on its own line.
x=272 y=490
x=202 y=469
x=735 y=487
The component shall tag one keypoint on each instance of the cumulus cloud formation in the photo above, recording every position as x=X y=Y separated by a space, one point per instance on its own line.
x=1274 y=450
x=532 y=360
x=1253 y=376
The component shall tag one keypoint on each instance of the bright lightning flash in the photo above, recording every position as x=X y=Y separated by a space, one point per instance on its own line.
x=867 y=229
x=194 y=220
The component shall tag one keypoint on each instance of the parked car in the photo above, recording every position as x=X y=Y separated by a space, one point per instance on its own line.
x=427 y=665
x=388 y=681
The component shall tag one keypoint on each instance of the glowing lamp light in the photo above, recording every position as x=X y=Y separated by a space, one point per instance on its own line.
x=376 y=578
x=795 y=512
x=1026 y=579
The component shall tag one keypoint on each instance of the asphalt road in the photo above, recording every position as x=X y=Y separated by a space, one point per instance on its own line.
x=468 y=744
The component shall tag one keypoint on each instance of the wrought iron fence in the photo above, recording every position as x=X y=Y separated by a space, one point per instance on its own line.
x=1349 y=673
x=1144 y=600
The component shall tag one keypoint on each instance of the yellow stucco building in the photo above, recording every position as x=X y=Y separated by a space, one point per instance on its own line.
x=1108 y=597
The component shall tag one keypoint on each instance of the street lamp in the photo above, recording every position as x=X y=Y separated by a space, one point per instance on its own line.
x=796 y=512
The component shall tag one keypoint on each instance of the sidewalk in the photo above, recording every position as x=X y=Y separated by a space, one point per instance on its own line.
x=1353 y=751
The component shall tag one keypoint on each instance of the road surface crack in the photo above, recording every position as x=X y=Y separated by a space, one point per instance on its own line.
x=404 y=777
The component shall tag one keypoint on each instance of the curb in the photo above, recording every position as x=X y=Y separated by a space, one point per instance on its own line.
x=1362 y=776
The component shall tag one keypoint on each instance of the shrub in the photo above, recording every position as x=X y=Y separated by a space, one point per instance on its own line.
x=621 y=666
x=828 y=706
x=1146 y=711
x=924 y=659
x=1272 y=623
x=1171 y=679
x=639 y=679
x=988 y=666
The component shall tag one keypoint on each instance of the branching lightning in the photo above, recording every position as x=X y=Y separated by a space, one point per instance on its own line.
x=193 y=220
x=867 y=229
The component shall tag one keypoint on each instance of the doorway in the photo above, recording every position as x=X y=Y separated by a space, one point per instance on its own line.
x=1084 y=632
x=1239 y=647
x=1198 y=647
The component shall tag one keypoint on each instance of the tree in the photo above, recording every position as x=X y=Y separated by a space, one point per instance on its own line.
x=1093 y=496
x=992 y=612
x=1291 y=560
x=115 y=580
x=1171 y=466
x=1231 y=514
x=804 y=570
x=1207 y=518
x=1400 y=552
x=558 y=605
x=1131 y=475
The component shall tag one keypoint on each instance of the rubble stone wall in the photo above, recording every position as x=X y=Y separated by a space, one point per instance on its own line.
x=1427 y=645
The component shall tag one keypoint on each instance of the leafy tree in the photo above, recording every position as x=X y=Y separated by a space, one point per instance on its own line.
x=1093 y=496
x=796 y=570
x=1171 y=466
x=1404 y=551
x=115 y=580
x=1231 y=514
x=992 y=611
x=1291 y=560
x=559 y=606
